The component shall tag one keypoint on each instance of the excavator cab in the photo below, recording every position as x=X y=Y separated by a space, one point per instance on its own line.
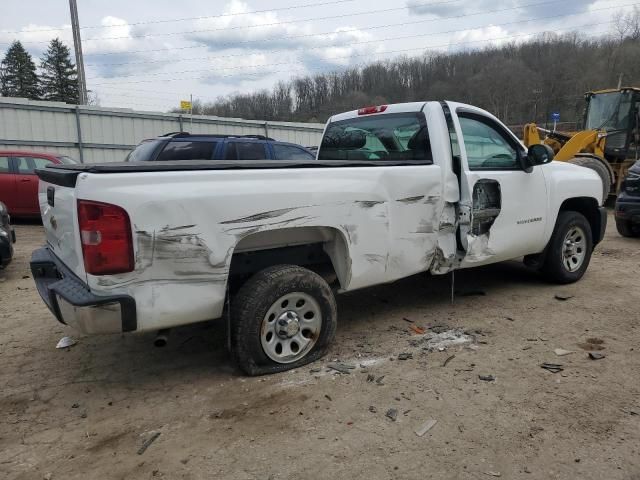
x=609 y=142
x=615 y=112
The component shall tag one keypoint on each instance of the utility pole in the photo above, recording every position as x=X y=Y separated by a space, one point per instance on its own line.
x=77 y=46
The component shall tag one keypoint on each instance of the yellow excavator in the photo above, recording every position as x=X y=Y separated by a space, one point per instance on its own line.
x=609 y=141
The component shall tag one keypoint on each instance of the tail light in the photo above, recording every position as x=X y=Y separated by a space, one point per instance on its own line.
x=105 y=232
x=370 y=110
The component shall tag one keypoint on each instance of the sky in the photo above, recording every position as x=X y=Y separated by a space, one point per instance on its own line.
x=149 y=55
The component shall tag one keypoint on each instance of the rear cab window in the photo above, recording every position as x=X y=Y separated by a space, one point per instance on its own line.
x=4 y=165
x=391 y=137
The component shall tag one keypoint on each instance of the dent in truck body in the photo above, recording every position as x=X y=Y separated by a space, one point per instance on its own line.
x=184 y=267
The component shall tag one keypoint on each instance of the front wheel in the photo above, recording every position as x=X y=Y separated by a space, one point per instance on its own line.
x=569 y=250
x=626 y=228
x=283 y=317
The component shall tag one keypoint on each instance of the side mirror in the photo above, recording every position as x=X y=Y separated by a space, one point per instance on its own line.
x=539 y=154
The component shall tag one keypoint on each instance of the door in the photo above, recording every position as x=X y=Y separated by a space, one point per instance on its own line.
x=27 y=184
x=503 y=207
x=7 y=185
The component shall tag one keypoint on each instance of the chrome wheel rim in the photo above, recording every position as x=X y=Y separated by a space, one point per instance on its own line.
x=574 y=249
x=291 y=327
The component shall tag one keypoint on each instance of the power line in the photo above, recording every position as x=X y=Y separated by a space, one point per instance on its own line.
x=184 y=19
x=403 y=37
x=368 y=12
x=362 y=55
x=359 y=29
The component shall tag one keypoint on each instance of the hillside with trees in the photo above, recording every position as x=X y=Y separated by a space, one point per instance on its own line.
x=519 y=82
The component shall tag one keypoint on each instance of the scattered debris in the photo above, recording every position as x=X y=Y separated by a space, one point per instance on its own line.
x=563 y=296
x=405 y=356
x=373 y=409
x=439 y=328
x=596 y=355
x=328 y=398
x=448 y=338
x=392 y=413
x=493 y=474
x=148 y=443
x=552 y=367
x=487 y=378
x=528 y=347
x=511 y=319
x=449 y=358
x=379 y=380
x=341 y=367
x=315 y=370
x=561 y=352
x=25 y=277
x=417 y=330
x=370 y=378
x=407 y=319
x=75 y=405
x=425 y=427
x=66 y=342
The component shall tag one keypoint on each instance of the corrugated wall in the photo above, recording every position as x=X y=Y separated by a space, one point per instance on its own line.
x=96 y=134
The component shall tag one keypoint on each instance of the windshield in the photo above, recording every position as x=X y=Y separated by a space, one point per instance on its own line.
x=380 y=137
x=143 y=152
x=609 y=111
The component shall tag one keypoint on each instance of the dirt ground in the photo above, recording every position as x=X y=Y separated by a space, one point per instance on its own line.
x=85 y=412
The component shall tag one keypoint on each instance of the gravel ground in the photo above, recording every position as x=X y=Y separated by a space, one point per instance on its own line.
x=86 y=412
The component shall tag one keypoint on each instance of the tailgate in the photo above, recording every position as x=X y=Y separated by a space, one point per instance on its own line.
x=59 y=218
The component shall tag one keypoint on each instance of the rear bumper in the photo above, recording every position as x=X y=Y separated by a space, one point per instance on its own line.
x=73 y=304
x=628 y=208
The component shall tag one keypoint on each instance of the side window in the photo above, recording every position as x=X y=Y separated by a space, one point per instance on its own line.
x=24 y=165
x=41 y=162
x=4 y=164
x=289 y=152
x=245 y=151
x=487 y=147
x=177 y=150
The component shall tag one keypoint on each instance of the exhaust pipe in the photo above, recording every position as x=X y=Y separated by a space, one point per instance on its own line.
x=162 y=338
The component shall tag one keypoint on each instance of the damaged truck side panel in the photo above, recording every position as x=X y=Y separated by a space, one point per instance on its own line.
x=377 y=225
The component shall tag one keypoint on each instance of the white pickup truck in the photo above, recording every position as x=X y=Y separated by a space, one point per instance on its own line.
x=395 y=190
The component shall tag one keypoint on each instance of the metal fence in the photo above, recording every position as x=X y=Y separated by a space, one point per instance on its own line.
x=96 y=134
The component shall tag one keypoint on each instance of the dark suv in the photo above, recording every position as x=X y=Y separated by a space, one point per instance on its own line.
x=184 y=146
x=628 y=204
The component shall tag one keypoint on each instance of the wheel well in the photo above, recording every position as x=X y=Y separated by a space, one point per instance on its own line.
x=588 y=207
x=320 y=249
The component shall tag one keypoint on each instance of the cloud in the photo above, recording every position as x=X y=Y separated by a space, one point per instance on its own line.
x=522 y=8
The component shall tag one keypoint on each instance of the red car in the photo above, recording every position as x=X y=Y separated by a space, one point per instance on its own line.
x=18 y=182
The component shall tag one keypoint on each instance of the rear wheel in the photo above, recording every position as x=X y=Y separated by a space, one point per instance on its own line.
x=598 y=166
x=569 y=250
x=283 y=317
x=626 y=228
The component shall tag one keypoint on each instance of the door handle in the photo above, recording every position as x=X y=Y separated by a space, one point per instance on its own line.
x=25 y=179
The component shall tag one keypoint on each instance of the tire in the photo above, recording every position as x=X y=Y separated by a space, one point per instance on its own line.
x=626 y=228
x=558 y=255
x=282 y=305
x=600 y=168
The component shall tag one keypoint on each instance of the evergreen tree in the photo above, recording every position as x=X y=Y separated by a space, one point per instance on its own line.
x=18 y=76
x=58 y=77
